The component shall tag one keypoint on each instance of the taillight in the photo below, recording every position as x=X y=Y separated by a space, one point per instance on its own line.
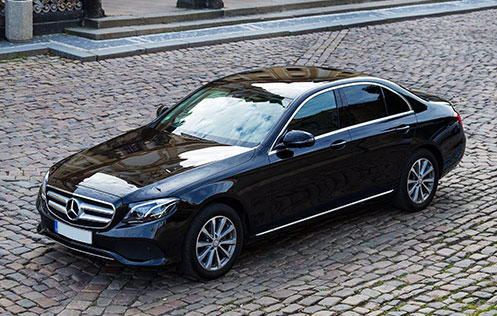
x=458 y=117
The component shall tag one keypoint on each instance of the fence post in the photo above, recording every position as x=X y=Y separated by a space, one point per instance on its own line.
x=19 y=20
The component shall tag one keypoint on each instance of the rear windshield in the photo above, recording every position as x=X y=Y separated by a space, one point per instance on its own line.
x=428 y=97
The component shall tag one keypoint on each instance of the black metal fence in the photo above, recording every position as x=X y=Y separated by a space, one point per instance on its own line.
x=50 y=16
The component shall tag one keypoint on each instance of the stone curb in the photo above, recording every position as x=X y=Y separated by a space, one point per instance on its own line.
x=27 y=50
x=114 y=21
x=125 y=26
x=173 y=44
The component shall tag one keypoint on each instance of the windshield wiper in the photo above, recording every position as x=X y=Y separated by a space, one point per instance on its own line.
x=191 y=136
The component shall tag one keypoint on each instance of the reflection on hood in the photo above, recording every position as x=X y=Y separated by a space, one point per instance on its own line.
x=136 y=159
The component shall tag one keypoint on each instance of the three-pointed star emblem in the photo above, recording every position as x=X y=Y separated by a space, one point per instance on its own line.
x=73 y=210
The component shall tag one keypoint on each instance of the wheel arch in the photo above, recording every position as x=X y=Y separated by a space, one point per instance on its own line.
x=437 y=153
x=401 y=198
x=234 y=204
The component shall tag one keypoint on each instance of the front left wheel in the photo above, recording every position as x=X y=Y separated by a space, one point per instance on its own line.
x=213 y=242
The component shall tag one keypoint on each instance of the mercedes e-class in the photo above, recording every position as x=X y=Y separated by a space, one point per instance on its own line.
x=247 y=156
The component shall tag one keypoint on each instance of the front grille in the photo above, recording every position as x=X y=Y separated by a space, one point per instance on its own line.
x=87 y=212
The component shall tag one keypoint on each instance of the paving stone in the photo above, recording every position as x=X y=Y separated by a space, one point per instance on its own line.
x=410 y=308
x=26 y=303
x=324 y=313
x=291 y=309
x=330 y=301
x=438 y=294
x=265 y=301
x=341 y=307
x=355 y=300
x=309 y=300
x=370 y=293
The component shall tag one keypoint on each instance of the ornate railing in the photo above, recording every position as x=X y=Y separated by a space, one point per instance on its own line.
x=45 y=6
x=50 y=16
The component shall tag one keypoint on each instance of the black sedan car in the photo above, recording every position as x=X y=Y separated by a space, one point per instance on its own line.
x=246 y=156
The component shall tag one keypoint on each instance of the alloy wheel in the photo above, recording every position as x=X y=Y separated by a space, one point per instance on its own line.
x=216 y=243
x=420 y=180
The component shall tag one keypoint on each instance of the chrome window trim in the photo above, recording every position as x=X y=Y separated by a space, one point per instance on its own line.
x=324 y=213
x=400 y=95
x=386 y=118
x=441 y=102
x=381 y=85
x=272 y=150
x=83 y=197
x=382 y=82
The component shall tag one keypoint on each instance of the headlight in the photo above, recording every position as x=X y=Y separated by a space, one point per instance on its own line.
x=150 y=210
x=44 y=186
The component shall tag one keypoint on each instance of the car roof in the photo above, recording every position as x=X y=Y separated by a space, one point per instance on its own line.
x=293 y=80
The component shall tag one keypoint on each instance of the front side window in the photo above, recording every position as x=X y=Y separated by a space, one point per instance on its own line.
x=362 y=103
x=317 y=116
x=233 y=114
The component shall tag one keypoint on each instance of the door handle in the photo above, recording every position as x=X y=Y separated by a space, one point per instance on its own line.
x=339 y=144
x=403 y=129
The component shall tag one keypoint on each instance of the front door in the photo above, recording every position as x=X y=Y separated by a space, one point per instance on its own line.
x=306 y=181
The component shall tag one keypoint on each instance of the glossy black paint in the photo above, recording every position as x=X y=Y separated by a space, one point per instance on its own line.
x=303 y=181
x=298 y=139
x=269 y=185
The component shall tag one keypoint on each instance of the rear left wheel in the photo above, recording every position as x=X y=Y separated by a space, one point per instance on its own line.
x=418 y=183
x=421 y=180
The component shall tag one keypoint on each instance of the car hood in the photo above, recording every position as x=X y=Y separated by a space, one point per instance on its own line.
x=136 y=159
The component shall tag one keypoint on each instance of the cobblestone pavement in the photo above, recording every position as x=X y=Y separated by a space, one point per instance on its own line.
x=373 y=260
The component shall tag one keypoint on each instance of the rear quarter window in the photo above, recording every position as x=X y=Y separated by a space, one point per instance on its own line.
x=395 y=103
x=416 y=105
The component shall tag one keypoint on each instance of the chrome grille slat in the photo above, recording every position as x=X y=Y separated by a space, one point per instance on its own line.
x=57 y=206
x=92 y=213
x=96 y=209
x=93 y=218
x=58 y=197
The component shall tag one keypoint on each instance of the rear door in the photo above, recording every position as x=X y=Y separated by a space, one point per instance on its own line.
x=382 y=128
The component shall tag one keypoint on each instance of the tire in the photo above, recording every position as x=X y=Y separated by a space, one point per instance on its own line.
x=415 y=193
x=206 y=255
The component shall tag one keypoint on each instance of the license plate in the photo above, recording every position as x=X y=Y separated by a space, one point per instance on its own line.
x=73 y=233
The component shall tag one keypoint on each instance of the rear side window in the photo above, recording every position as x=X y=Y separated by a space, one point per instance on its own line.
x=317 y=116
x=362 y=103
x=395 y=104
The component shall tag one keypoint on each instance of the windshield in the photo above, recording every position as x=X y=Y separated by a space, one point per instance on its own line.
x=227 y=113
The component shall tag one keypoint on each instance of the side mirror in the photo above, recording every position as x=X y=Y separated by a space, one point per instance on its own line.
x=298 y=139
x=161 y=109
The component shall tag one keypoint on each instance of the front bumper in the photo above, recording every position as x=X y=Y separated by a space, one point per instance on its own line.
x=134 y=246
